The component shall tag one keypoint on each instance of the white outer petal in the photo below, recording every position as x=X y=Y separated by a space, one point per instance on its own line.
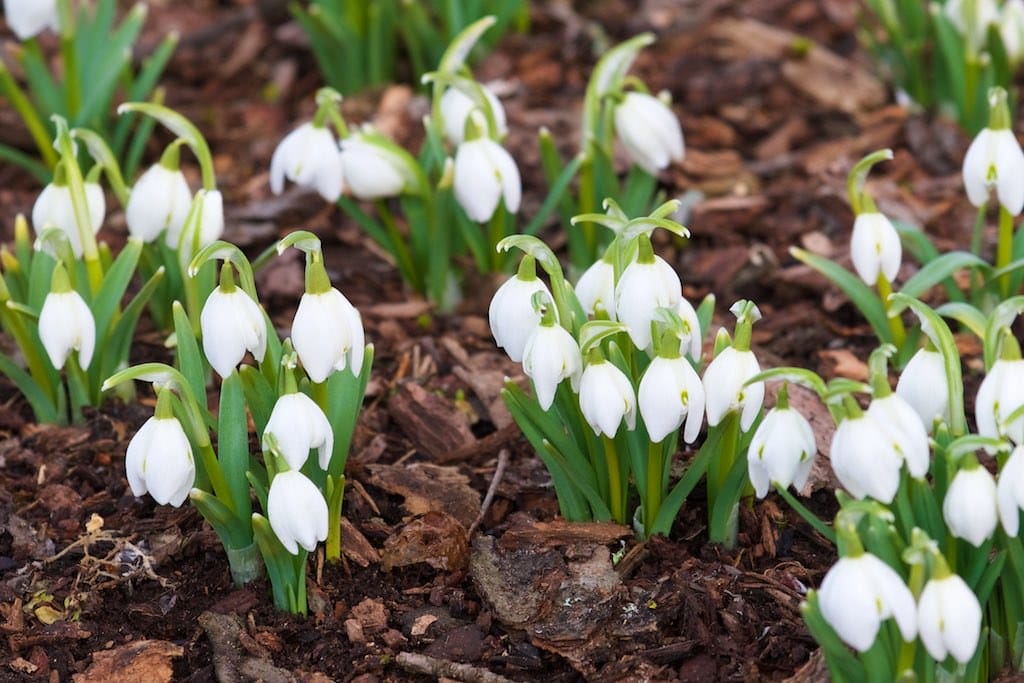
x=649 y=131
x=902 y=424
x=847 y=601
x=1009 y=162
x=66 y=323
x=456 y=106
x=1010 y=491
x=370 y=172
x=297 y=511
x=170 y=469
x=970 y=507
x=327 y=334
x=28 y=18
x=606 y=398
x=551 y=355
x=875 y=247
x=135 y=457
x=975 y=168
x=640 y=291
x=231 y=324
x=949 y=619
x=924 y=386
x=511 y=314
x=299 y=424
x=159 y=201
x=597 y=287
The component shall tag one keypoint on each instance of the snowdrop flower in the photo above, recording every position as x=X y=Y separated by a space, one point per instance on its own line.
x=596 y=289
x=231 y=323
x=297 y=425
x=1011 y=29
x=995 y=159
x=972 y=27
x=204 y=224
x=29 y=18
x=309 y=157
x=724 y=386
x=159 y=201
x=297 y=511
x=949 y=618
x=865 y=458
x=970 y=507
x=692 y=342
x=485 y=174
x=649 y=131
x=1010 y=491
x=550 y=356
x=456 y=107
x=906 y=433
x=670 y=391
x=65 y=323
x=645 y=286
x=53 y=208
x=371 y=170
x=159 y=461
x=512 y=315
x=1000 y=394
x=875 y=247
x=782 y=450
x=607 y=398
x=328 y=334
x=924 y=386
x=858 y=593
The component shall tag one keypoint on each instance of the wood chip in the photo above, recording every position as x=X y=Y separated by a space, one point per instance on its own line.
x=142 y=660
x=434 y=425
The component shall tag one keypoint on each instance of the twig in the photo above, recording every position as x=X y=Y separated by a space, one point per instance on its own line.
x=499 y=472
x=422 y=664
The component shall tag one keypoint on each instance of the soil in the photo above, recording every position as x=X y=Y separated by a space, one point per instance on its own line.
x=98 y=585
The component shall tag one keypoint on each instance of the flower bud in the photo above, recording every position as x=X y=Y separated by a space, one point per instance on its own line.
x=551 y=355
x=309 y=157
x=875 y=247
x=159 y=461
x=66 y=324
x=297 y=511
x=607 y=398
x=649 y=131
x=949 y=619
x=485 y=174
x=298 y=424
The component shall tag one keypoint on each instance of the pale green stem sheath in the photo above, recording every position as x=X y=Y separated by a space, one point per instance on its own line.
x=335 y=498
x=655 y=475
x=616 y=502
x=899 y=333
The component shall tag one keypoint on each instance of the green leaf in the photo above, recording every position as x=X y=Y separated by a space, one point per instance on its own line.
x=190 y=361
x=938 y=269
x=115 y=282
x=43 y=406
x=119 y=341
x=233 y=443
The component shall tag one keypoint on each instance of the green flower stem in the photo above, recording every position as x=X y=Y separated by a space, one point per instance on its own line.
x=972 y=70
x=320 y=395
x=80 y=205
x=978 y=232
x=654 y=483
x=406 y=264
x=182 y=128
x=78 y=388
x=1004 y=248
x=719 y=471
x=808 y=516
x=899 y=333
x=335 y=499
x=616 y=484
x=588 y=204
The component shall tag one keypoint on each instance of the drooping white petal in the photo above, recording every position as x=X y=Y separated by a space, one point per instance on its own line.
x=327 y=333
x=231 y=323
x=484 y=174
x=670 y=391
x=649 y=131
x=858 y=593
x=29 y=18
x=309 y=157
x=903 y=426
x=371 y=172
x=642 y=289
x=1010 y=491
x=512 y=316
x=1009 y=163
x=924 y=386
x=949 y=619
x=875 y=248
x=970 y=507
x=596 y=289
x=297 y=511
x=456 y=107
x=782 y=451
x=298 y=424
x=159 y=201
x=159 y=461
x=864 y=459
x=66 y=324
x=607 y=398
x=550 y=356
x=724 y=389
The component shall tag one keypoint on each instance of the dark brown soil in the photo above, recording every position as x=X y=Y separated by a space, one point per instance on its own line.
x=87 y=570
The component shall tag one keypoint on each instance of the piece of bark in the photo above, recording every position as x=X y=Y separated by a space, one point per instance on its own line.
x=356 y=546
x=433 y=424
x=142 y=660
x=436 y=538
x=428 y=487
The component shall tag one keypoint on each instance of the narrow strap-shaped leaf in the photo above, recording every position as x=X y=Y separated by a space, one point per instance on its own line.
x=233 y=443
x=555 y=196
x=115 y=282
x=43 y=406
x=346 y=391
x=941 y=268
x=191 y=363
x=679 y=493
x=119 y=341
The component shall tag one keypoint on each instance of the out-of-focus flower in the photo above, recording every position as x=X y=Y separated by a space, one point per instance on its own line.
x=297 y=511
x=649 y=131
x=67 y=324
x=371 y=170
x=607 y=398
x=924 y=386
x=298 y=424
x=995 y=160
x=309 y=157
x=949 y=619
x=456 y=107
x=670 y=391
x=596 y=289
x=875 y=248
x=859 y=593
x=29 y=18
x=159 y=461
x=1000 y=394
x=486 y=174
x=53 y=208
x=159 y=201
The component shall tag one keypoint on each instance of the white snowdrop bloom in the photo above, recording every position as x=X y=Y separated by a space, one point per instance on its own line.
x=692 y=342
x=724 y=386
x=781 y=451
x=875 y=248
x=159 y=461
x=670 y=391
x=949 y=619
x=924 y=386
x=859 y=593
x=512 y=316
x=297 y=511
x=309 y=157
x=67 y=324
x=159 y=201
x=53 y=208
x=973 y=28
x=551 y=355
x=865 y=459
x=372 y=171
x=1010 y=491
x=456 y=107
x=649 y=131
x=995 y=159
x=1000 y=394
x=907 y=435
x=29 y=18
x=211 y=223
x=596 y=289
x=607 y=398
x=327 y=333
x=485 y=174
x=298 y=424
x=640 y=292
x=231 y=323
x=970 y=508
x=1011 y=29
